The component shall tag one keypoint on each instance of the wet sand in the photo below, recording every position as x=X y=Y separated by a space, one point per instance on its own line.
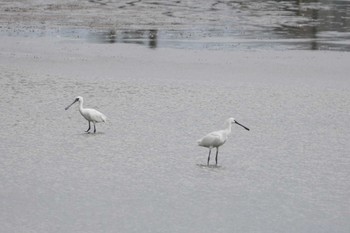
x=142 y=171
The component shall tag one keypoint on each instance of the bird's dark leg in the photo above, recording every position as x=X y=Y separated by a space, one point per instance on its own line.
x=216 y=157
x=94 y=127
x=88 y=128
x=209 y=156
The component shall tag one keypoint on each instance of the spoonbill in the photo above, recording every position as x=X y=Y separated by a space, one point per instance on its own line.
x=218 y=138
x=91 y=115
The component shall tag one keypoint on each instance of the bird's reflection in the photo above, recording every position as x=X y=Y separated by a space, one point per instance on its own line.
x=141 y=37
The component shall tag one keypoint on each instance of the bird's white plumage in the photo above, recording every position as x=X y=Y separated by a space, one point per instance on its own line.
x=213 y=139
x=218 y=138
x=91 y=115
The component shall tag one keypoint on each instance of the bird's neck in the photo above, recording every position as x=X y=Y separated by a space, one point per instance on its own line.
x=81 y=106
x=228 y=129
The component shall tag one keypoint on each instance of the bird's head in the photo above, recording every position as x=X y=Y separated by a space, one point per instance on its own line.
x=232 y=120
x=77 y=99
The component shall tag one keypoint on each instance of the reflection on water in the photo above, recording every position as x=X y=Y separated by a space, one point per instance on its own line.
x=142 y=37
x=213 y=24
x=325 y=23
x=298 y=24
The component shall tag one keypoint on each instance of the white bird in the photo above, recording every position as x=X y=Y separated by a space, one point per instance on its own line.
x=218 y=138
x=91 y=115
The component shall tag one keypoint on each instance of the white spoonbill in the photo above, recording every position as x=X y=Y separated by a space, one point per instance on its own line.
x=218 y=138
x=91 y=115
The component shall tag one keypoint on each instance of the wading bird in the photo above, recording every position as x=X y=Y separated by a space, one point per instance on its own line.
x=91 y=115
x=218 y=138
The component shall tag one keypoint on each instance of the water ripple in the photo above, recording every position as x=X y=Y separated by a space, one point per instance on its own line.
x=184 y=24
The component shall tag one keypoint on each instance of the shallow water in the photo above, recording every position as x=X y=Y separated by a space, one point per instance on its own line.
x=212 y=24
x=143 y=172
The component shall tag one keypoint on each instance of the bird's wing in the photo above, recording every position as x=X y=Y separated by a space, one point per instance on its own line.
x=211 y=139
x=96 y=115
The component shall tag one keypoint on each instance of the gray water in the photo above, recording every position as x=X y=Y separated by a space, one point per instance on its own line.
x=212 y=24
x=143 y=172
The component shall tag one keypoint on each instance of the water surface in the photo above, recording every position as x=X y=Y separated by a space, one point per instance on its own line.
x=211 y=24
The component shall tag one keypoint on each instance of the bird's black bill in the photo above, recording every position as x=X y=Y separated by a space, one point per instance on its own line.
x=242 y=125
x=66 y=108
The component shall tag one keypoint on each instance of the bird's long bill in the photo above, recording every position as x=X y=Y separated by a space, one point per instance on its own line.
x=241 y=125
x=70 y=105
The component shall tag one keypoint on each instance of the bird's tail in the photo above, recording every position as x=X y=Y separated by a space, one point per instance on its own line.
x=104 y=118
x=199 y=142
